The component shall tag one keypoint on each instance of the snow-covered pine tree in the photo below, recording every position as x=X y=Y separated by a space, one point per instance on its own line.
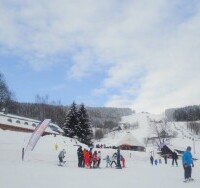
x=71 y=122
x=85 y=135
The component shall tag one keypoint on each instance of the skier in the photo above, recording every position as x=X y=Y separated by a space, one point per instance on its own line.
x=84 y=151
x=56 y=146
x=123 y=161
x=118 y=160
x=156 y=162
x=94 y=159
x=114 y=156
x=151 y=159
x=87 y=159
x=61 y=156
x=187 y=164
x=108 y=161
x=80 y=156
x=90 y=157
x=165 y=158
x=160 y=160
x=174 y=158
x=98 y=159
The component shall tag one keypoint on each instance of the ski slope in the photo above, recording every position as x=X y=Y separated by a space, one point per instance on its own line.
x=143 y=131
x=40 y=168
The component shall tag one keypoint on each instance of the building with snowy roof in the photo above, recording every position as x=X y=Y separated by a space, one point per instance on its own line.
x=23 y=124
x=129 y=142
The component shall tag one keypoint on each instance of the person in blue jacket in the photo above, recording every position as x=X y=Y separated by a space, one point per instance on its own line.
x=118 y=160
x=187 y=162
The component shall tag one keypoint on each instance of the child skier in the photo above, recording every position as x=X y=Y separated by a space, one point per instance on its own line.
x=108 y=161
x=156 y=162
x=61 y=156
x=123 y=161
x=114 y=157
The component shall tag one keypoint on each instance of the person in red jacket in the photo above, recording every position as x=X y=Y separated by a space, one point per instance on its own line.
x=123 y=161
x=94 y=159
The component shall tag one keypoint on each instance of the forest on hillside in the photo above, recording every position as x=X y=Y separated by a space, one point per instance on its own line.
x=188 y=113
x=100 y=117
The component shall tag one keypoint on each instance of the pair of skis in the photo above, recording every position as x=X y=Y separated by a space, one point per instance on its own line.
x=188 y=180
x=62 y=164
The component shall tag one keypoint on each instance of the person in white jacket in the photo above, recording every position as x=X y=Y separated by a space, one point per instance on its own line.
x=61 y=156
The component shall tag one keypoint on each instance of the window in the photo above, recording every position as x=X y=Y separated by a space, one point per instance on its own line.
x=17 y=121
x=25 y=123
x=34 y=125
x=10 y=120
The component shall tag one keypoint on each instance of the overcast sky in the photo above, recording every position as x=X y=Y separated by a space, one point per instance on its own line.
x=143 y=54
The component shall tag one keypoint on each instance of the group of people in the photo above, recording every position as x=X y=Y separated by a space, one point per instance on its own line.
x=174 y=157
x=187 y=162
x=154 y=161
x=88 y=159
x=116 y=159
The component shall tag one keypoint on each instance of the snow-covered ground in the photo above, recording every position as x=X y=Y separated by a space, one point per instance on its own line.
x=40 y=168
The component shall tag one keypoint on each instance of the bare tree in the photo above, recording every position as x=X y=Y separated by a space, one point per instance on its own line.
x=5 y=94
x=161 y=130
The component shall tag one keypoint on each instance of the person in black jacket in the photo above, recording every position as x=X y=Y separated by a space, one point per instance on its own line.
x=80 y=156
x=151 y=159
x=174 y=158
x=165 y=158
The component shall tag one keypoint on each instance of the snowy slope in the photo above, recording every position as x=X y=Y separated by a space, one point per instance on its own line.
x=140 y=133
x=143 y=120
x=40 y=168
x=184 y=137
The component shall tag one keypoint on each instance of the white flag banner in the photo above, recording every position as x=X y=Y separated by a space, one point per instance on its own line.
x=39 y=130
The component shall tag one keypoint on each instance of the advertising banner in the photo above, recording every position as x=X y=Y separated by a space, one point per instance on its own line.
x=39 y=130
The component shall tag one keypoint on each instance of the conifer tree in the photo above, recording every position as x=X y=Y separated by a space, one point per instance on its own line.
x=85 y=135
x=71 y=122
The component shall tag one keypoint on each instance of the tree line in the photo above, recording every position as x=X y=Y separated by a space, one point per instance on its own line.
x=188 y=113
x=191 y=114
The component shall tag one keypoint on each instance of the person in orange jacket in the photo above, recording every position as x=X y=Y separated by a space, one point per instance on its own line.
x=87 y=158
